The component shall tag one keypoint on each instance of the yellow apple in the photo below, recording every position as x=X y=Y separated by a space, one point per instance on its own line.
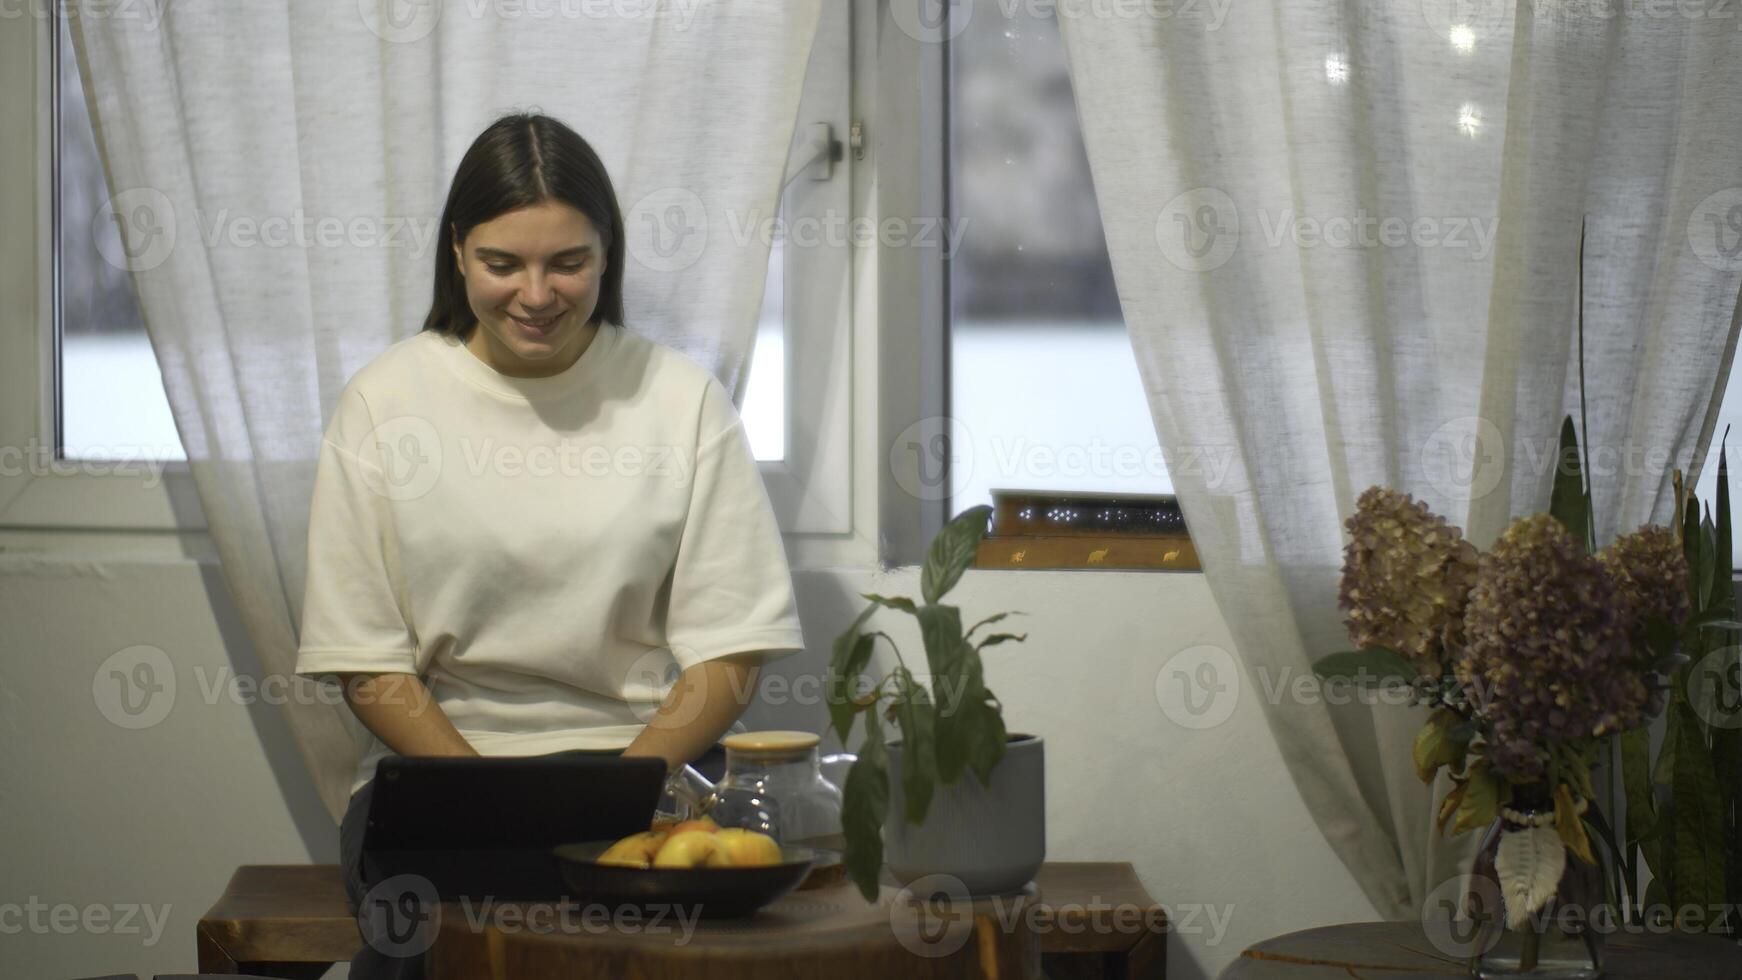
x=748 y=848
x=691 y=849
x=703 y=824
x=634 y=851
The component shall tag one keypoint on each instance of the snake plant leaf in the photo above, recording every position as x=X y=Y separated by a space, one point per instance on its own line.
x=1570 y=503
x=1699 y=826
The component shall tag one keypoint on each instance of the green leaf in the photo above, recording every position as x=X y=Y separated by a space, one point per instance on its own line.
x=946 y=654
x=1433 y=748
x=988 y=621
x=952 y=551
x=1617 y=869
x=842 y=671
x=900 y=602
x=1721 y=596
x=1691 y=550
x=957 y=698
x=987 y=739
x=919 y=766
x=1641 y=798
x=864 y=804
x=838 y=687
x=1705 y=573
x=1374 y=663
x=1569 y=503
x=1700 y=845
x=1481 y=799
x=1663 y=774
x=997 y=638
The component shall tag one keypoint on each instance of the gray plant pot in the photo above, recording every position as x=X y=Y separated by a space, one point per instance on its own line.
x=992 y=838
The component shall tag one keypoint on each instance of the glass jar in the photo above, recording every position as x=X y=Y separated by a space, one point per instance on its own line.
x=774 y=784
x=777 y=783
x=1562 y=940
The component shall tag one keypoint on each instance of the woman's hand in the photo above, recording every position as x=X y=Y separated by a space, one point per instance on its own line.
x=703 y=703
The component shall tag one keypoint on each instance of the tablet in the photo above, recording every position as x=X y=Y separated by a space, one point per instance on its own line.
x=484 y=827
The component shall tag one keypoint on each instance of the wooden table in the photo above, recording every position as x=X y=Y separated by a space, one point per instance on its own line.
x=828 y=932
x=1092 y=920
x=1399 y=950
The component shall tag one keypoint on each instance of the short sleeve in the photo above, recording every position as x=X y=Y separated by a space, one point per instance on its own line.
x=731 y=590
x=352 y=619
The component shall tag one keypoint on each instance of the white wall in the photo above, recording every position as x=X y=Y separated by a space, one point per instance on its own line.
x=96 y=816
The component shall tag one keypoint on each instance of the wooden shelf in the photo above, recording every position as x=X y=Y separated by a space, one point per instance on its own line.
x=1103 y=551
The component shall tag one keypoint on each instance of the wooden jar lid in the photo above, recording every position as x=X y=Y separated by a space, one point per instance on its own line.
x=781 y=742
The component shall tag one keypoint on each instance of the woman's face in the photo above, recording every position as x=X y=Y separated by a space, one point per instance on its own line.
x=532 y=279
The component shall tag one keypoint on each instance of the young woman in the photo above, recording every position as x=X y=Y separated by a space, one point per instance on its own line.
x=527 y=517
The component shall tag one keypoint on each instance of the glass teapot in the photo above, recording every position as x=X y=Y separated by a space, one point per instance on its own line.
x=776 y=783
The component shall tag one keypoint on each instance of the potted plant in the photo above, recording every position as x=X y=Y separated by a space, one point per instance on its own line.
x=968 y=798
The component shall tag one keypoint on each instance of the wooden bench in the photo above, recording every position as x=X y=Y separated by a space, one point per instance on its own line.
x=293 y=921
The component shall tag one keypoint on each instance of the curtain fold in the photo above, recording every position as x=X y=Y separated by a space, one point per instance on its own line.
x=279 y=173
x=1344 y=239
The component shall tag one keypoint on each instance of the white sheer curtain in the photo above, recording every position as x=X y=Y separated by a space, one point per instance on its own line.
x=280 y=170
x=1344 y=238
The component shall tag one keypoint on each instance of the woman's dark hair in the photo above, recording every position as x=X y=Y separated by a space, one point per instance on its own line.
x=522 y=160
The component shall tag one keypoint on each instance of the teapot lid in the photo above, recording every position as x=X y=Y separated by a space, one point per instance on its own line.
x=771 y=741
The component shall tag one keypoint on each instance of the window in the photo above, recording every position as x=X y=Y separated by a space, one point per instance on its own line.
x=1047 y=417
x=1044 y=388
x=103 y=396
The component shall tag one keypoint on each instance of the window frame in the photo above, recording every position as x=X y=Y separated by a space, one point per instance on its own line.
x=155 y=495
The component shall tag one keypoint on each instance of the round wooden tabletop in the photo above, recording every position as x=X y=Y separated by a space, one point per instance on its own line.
x=1397 y=950
x=828 y=931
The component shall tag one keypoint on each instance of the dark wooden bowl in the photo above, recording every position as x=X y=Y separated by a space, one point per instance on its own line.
x=713 y=892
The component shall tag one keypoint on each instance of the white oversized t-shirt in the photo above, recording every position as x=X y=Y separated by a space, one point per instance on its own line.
x=545 y=553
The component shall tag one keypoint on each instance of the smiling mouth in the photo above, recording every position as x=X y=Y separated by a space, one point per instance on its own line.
x=541 y=324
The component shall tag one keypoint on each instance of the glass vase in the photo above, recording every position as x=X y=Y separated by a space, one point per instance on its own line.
x=1560 y=940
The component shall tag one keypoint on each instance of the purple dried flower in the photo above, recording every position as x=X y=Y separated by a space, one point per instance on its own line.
x=1650 y=574
x=1406 y=577
x=1548 y=648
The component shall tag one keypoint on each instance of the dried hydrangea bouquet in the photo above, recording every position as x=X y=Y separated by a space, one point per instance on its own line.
x=1529 y=656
